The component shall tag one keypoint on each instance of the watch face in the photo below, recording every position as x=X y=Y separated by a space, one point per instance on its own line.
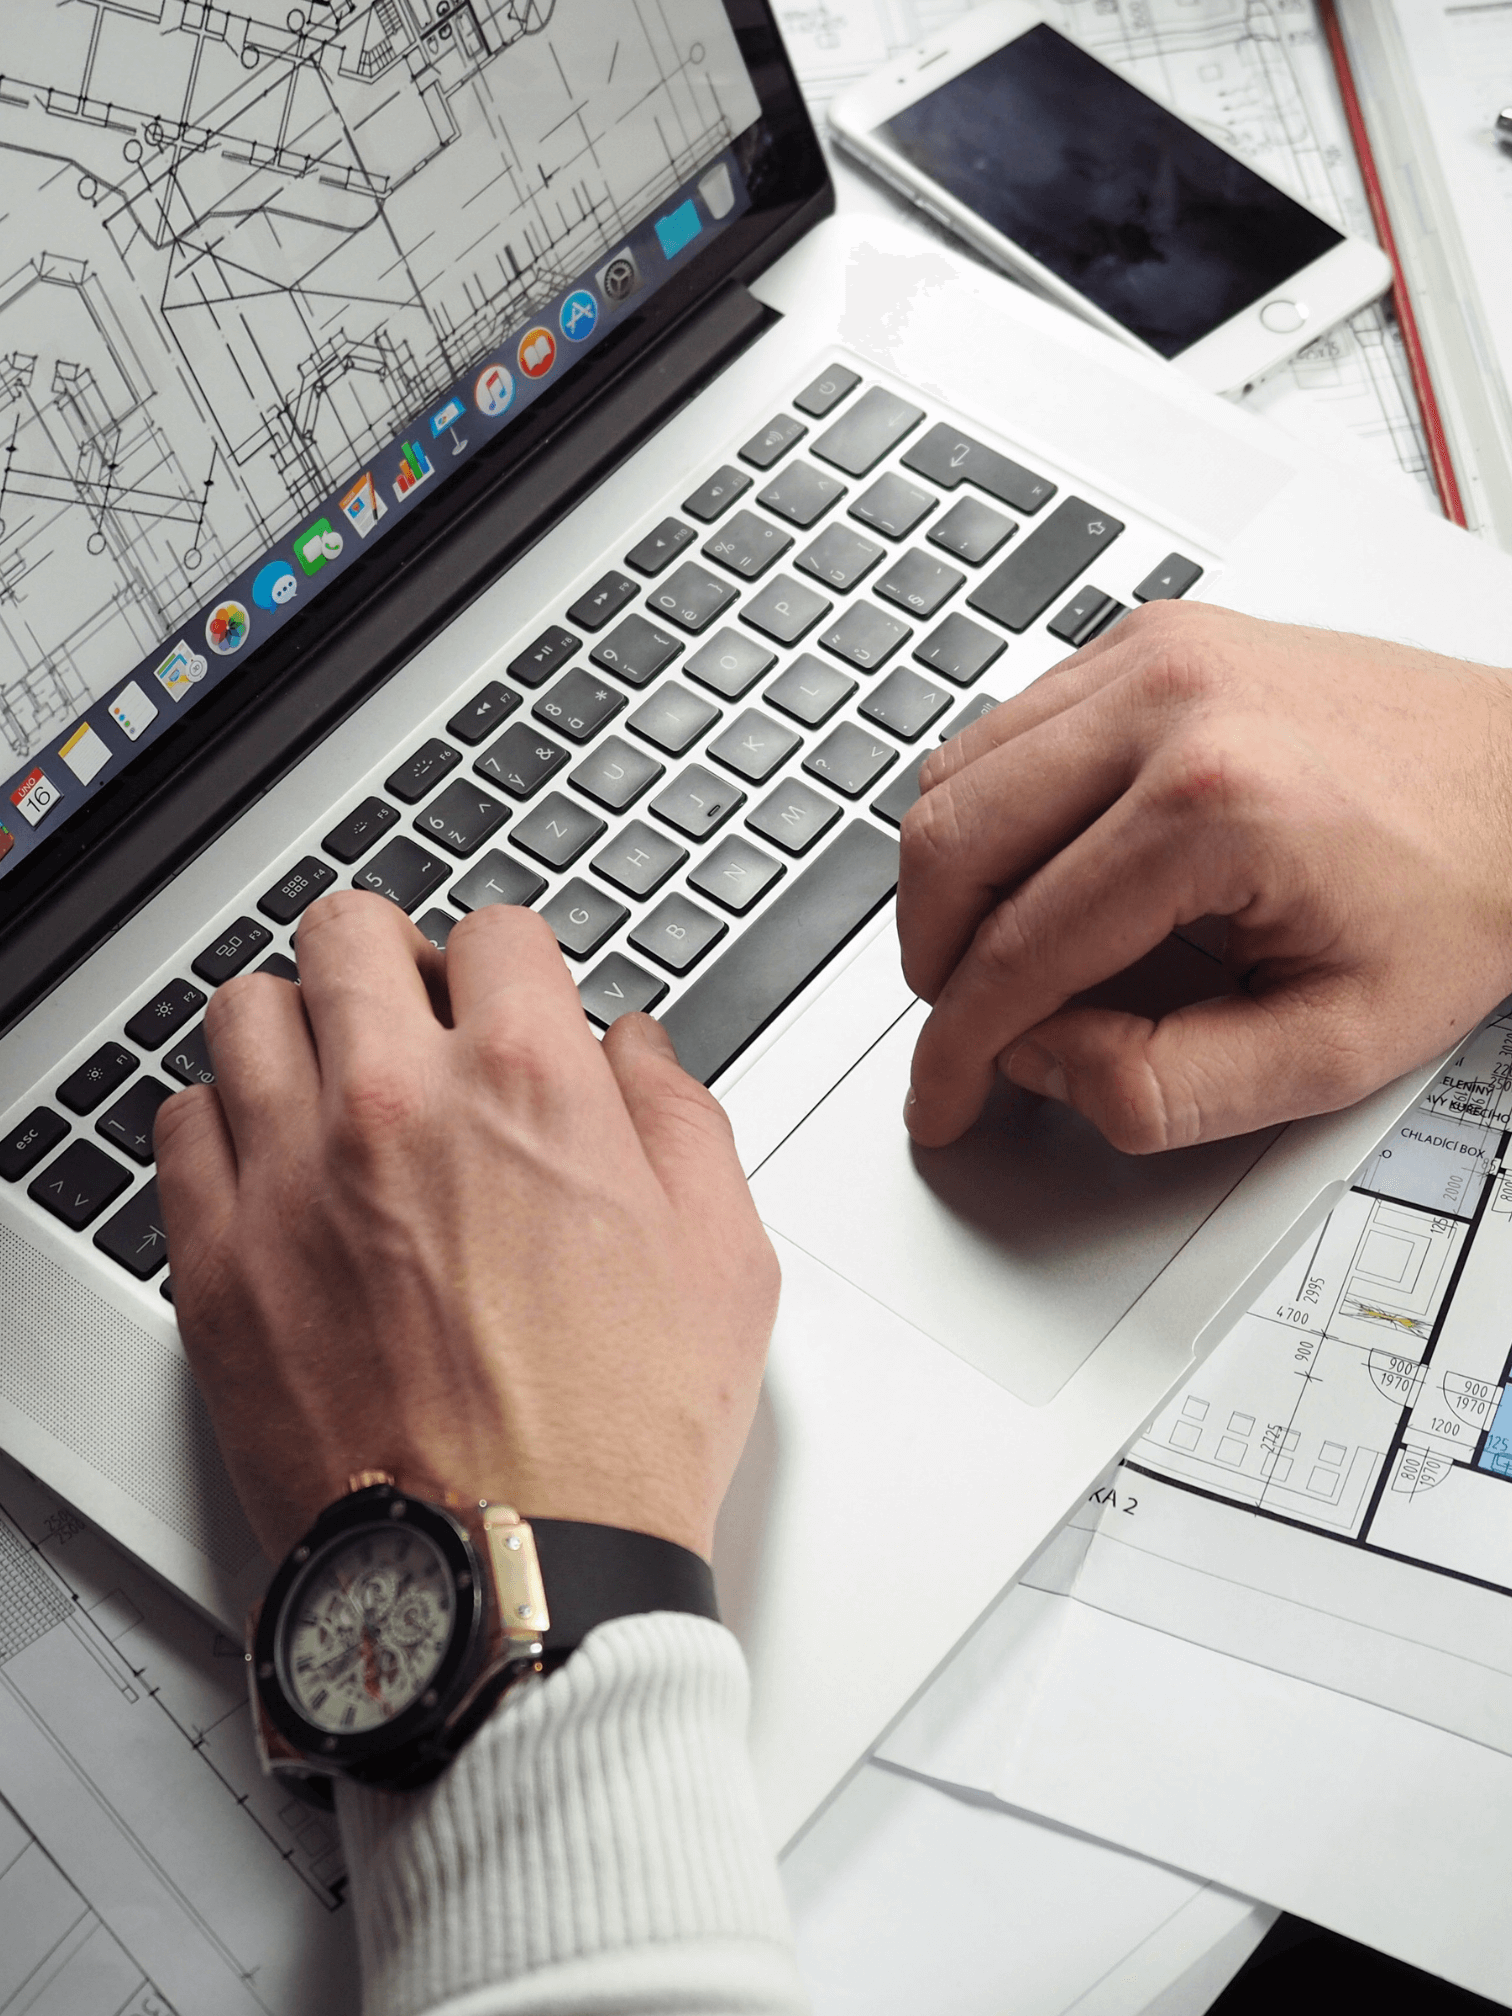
x=365 y=1628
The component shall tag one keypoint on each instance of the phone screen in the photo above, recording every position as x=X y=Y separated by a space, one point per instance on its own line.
x=1128 y=204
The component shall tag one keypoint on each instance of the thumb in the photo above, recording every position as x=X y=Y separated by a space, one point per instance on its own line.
x=682 y=1126
x=1207 y=1071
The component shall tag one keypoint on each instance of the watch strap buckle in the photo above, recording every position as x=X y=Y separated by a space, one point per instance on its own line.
x=518 y=1585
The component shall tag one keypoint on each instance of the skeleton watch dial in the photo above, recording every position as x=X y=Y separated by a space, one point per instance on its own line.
x=365 y=1629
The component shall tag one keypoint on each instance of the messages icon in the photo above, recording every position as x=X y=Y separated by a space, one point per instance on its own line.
x=276 y=585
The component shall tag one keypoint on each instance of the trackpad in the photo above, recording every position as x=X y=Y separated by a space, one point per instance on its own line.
x=1019 y=1247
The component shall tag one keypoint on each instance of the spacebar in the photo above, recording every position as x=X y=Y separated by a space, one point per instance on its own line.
x=730 y=1004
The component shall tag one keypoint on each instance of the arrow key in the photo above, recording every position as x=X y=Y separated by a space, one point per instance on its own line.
x=1170 y=580
x=617 y=986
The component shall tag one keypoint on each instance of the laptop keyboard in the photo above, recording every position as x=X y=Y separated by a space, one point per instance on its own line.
x=696 y=771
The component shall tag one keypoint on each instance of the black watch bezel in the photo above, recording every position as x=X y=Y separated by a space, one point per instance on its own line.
x=376 y=1507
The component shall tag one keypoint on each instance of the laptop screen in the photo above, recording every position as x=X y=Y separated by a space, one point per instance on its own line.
x=272 y=279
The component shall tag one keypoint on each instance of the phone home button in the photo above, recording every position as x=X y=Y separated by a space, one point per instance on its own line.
x=1283 y=318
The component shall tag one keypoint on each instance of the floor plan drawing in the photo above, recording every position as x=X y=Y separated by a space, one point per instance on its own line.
x=147 y=1867
x=245 y=244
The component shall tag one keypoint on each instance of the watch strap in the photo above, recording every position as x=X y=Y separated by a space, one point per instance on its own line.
x=593 y=1574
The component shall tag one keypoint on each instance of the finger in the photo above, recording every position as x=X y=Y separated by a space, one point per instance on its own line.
x=362 y=967
x=682 y=1126
x=266 y=1073
x=508 y=957
x=988 y=828
x=1091 y=912
x=1217 y=1068
x=196 y=1168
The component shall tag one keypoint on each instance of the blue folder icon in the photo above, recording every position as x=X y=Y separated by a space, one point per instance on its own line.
x=680 y=228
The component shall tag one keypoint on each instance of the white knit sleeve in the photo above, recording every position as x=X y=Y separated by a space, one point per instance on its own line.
x=596 y=1847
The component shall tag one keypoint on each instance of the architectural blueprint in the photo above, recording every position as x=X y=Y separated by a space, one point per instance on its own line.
x=147 y=1868
x=1256 y=75
x=244 y=245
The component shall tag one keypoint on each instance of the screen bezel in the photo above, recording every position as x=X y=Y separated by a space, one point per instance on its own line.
x=789 y=189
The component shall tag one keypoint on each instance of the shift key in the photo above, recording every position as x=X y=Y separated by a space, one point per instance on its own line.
x=1041 y=570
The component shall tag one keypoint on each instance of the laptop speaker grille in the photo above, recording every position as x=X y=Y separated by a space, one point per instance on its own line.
x=116 y=1396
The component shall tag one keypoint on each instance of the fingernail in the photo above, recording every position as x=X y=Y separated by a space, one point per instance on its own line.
x=1033 y=1067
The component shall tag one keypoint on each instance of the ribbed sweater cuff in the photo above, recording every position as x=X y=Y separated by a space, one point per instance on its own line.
x=603 y=1811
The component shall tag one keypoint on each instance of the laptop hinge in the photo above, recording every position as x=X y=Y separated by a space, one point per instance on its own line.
x=95 y=898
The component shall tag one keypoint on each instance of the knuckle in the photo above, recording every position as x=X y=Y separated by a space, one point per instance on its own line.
x=379 y=1106
x=336 y=907
x=1001 y=945
x=181 y=1120
x=930 y=834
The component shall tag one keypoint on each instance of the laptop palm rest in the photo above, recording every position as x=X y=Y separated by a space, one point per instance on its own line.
x=1019 y=1247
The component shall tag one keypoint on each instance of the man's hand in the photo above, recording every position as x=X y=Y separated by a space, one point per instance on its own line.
x=425 y=1223
x=1345 y=805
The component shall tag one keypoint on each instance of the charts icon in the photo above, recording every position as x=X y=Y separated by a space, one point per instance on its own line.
x=493 y=391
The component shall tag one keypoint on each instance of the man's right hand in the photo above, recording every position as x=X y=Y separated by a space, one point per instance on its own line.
x=1345 y=805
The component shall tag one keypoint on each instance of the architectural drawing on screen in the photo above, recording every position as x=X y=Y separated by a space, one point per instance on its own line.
x=1368 y=1394
x=245 y=244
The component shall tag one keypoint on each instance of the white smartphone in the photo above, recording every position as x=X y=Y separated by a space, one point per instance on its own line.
x=1072 y=178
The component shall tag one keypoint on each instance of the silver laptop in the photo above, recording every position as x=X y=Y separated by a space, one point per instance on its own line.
x=454 y=457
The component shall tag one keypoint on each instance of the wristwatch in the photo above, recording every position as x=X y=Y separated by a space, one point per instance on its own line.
x=394 y=1626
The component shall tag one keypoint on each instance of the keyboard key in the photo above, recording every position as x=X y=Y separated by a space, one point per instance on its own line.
x=579 y=704
x=850 y=759
x=639 y=859
x=166 y=1012
x=692 y=597
x=619 y=987
x=894 y=506
x=747 y=545
x=636 y=651
x=730 y=664
x=1170 y=580
x=496 y=879
x=1047 y=563
x=866 y=636
x=615 y=774
x=521 y=760
x=801 y=494
x=25 y=1145
x=79 y=1184
x=961 y=649
x=97 y=1077
x=281 y=967
x=483 y=713
x=863 y=434
x=135 y=1235
x=1085 y=616
x=827 y=390
x=548 y=654
x=754 y=745
x=950 y=458
x=810 y=690
x=840 y=558
x=128 y=1124
x=557 y=830
x=349 y=841
x=773 y=442
x=902 y=791
x=235 y=947
x=677 y=933
x=435 y=926
x=188 y=1059
x=660 y=547
x=297 y=890
x=736 y=875
x=800 y=930
x=969 y=711
x=710 y=500
x=403 y=872
x=422 y=771
x=917 y=582
x=673 y=718
x=462 y=818
x=602 y=602
x=905 y=704
x=785 y=610
x=972 y=530
x=583 y=917
x=697 y=802
x=794 y=816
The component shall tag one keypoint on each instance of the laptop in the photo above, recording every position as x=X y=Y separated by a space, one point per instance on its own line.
x=456 y=453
